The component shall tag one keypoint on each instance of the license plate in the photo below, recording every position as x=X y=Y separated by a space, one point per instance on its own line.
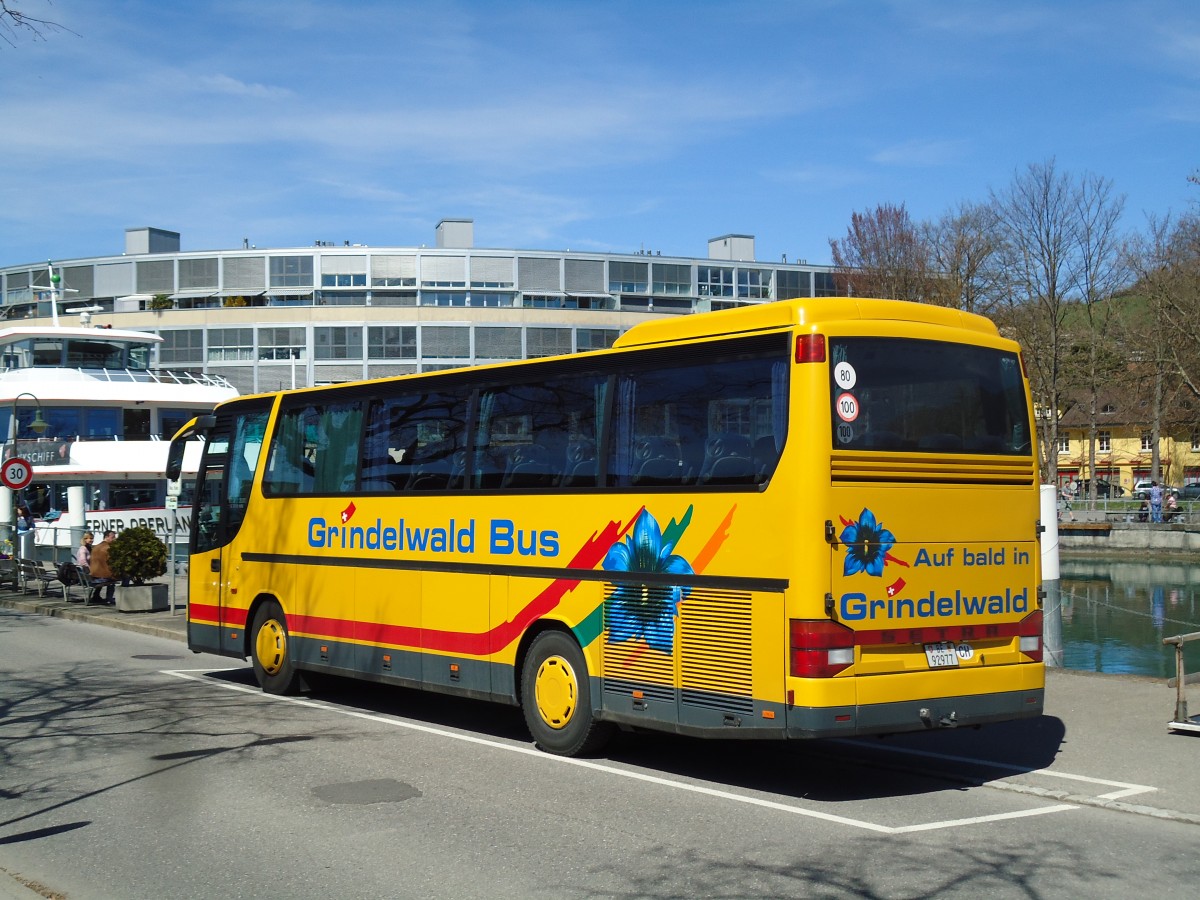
x=941 y=655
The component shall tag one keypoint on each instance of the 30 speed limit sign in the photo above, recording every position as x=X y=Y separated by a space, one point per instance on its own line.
x=17 y=473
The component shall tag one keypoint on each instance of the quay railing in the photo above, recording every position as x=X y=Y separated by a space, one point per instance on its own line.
x=1182 y=722
x=55 y=543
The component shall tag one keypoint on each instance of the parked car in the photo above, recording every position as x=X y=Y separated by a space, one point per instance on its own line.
x=1141 y=489
x=1104 y=489
x=1190 y=491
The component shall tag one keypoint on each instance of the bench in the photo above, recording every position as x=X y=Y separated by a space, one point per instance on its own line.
x=41 y=575
x=90 y=584
x=10 y=573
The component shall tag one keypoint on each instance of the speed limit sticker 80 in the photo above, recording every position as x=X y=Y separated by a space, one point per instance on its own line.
x=846 y=406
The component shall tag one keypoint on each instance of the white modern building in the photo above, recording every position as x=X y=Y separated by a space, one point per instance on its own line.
x=266 y=319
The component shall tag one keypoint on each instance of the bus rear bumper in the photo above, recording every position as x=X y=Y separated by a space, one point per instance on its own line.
x=926 y=714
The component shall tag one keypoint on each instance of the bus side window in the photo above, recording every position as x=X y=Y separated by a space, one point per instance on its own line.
x=527 y=430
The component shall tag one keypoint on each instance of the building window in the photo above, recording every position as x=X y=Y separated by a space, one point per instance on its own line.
x=392 y=342
x=480 y=298
x=281 y=343
x=291 y=271
x=672 y=279
x=337 y=342
x=754 y=284
x=714 y=281
x=595 y=338
x=1147 y=441
x=1064 y=442
x=792 y=284
x=547 y=342
x=1104 y=441
x=497 y=342
x=824 y=285
x=443 y=298
x=446 y=342
x=628 y=277
x=197 y=274
x=182 y=346
x=230 y=344
x=393 y=298
x=1196 y=441
x=341 y=298
x=346 y=281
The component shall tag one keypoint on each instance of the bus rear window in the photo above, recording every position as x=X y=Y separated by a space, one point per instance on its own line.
x=904 y=395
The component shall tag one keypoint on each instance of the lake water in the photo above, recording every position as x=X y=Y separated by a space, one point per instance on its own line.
x=1116 y=614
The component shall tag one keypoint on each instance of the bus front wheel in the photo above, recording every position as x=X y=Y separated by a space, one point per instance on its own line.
x=269 y=652
x=556 y=697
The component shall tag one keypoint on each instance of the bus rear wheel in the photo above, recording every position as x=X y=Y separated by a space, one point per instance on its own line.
x=269 y=652
x=556 y=697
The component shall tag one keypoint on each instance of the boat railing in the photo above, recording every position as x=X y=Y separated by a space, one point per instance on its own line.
x=158 y=376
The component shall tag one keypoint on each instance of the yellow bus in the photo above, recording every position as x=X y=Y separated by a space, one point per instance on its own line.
x=808 y=518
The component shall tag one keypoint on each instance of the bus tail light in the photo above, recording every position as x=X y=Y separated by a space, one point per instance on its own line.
x=810 y=348
x=1031 y=636
x=820 y=648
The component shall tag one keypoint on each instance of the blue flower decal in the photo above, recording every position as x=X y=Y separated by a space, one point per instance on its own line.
x=644 y=610
x=867 y=543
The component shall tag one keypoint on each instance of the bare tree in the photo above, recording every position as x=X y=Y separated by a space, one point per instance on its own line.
x=1098 y=271
x=963 y=247
x=15 y=21
x=1035 y=215
x=1166 y=261
x=883 y=255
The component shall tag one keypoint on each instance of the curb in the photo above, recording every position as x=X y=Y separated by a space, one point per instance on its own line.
x=127 y=622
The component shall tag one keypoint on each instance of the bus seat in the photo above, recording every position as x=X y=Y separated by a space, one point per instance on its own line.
x=659 y=470
x=529 y=467
x=657 y=461
x=734 y=450
x=580 y=470
x=732 y=470
x=765 y=455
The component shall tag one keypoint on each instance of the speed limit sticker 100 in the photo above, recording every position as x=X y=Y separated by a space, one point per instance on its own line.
x=847 y=407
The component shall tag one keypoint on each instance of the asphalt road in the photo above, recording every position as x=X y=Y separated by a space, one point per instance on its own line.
x=131 y=768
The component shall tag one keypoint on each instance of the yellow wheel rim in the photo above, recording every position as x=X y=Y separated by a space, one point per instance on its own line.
x=557 y=692
x=271 y=646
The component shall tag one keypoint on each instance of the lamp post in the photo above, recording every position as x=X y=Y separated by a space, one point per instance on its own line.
x=39 y=425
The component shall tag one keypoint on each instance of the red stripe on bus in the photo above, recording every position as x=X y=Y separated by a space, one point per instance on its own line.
x=588 y=557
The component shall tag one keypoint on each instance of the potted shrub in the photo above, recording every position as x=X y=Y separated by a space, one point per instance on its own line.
x=160 y=302
x=137 y=555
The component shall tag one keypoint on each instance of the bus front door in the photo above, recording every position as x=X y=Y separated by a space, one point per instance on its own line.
x=223 y=489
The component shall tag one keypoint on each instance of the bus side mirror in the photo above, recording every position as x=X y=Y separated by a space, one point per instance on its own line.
x=175 y=464
x=198 y=426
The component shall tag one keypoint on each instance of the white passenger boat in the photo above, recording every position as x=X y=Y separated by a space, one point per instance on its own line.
x=92 y=414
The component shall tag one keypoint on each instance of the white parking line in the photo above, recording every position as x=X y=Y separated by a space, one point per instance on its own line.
x=1126 y=789
x=197 y=675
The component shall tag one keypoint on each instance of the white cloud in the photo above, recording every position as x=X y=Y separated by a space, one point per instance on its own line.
x=226 y=84
x=920 y=152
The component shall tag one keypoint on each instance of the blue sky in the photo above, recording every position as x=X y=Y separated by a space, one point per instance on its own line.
x=606 y=126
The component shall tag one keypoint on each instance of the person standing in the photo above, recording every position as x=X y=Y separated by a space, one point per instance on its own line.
x=102 y=575
x=1156 y=499
x=25 y=532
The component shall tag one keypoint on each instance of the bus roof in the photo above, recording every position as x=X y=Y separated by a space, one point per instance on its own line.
x=803 y=312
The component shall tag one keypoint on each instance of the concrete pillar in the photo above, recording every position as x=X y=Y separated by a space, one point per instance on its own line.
x=76 y=515
x=1052 y=641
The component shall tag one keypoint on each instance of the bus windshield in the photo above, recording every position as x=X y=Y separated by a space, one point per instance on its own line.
x=903 y=395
